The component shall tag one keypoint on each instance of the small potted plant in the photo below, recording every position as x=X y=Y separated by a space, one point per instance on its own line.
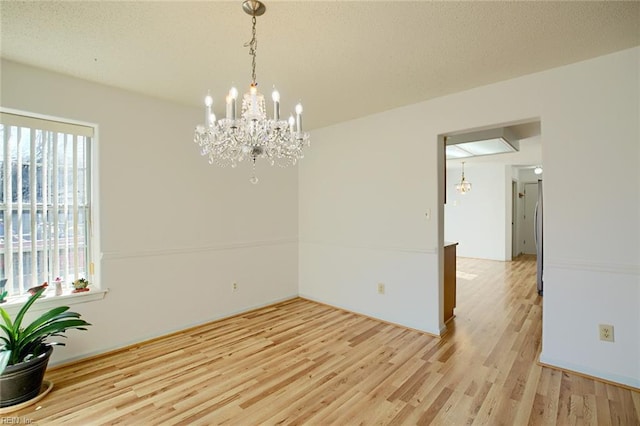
x=25 y=349
x=80 y=285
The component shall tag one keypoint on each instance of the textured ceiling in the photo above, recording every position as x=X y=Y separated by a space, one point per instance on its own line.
x=341 y=59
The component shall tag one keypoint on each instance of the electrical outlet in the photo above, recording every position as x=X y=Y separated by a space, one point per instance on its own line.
x=606 y=332
x=234 y=287
x=380 y=288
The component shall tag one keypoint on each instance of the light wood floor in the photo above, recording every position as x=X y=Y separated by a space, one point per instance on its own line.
x=300 y=362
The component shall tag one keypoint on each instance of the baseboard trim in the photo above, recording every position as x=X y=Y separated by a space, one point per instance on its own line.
x=187 y=329
x=395 y=324
x=107 y=353
x=585 y=375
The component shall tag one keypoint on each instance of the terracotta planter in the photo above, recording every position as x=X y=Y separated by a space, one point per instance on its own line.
x=22 y=382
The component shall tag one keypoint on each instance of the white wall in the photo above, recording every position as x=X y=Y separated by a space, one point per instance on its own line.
x=176 y=232
x=366 y=184
x=362 y=218
x=478 y=220
x=591 y=131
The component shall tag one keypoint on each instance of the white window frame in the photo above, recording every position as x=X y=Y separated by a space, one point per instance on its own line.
x=93 y=225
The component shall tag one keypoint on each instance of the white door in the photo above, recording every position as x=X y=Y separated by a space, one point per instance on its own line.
x=528 y=228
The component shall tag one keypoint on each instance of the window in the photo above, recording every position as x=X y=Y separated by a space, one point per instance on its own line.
x=45 y=201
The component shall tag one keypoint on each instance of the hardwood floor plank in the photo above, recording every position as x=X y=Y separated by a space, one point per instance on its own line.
x=304 y=363
x=528 y=396
x=435 y=407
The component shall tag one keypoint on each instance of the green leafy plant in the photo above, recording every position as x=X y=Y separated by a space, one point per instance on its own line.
x=21 y=344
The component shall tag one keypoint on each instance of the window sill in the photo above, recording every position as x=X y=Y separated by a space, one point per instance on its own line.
x=49 y=301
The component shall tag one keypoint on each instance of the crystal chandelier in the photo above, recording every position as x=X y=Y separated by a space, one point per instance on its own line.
x=252 y=135
x=464 y=186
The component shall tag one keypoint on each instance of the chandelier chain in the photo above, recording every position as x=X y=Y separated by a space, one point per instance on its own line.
x=253 y=48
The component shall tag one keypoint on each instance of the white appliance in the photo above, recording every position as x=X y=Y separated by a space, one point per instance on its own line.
x=539 y=239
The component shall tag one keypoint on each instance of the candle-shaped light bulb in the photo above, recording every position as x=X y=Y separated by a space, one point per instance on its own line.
x=233 y=95
x=253 y=91
x=299 y=118
x=276 y=104
x=208 y=101
x=212 y=119
x=292 y=121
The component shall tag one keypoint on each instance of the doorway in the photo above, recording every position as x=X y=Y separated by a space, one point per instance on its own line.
x=488 y=221
x=528 y=219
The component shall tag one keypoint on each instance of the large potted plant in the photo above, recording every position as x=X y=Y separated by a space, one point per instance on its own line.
x=25 y=350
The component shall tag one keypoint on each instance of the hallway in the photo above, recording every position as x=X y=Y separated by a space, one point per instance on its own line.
x=498 y=324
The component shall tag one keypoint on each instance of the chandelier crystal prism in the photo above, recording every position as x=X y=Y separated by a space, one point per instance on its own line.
x=230 y=140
